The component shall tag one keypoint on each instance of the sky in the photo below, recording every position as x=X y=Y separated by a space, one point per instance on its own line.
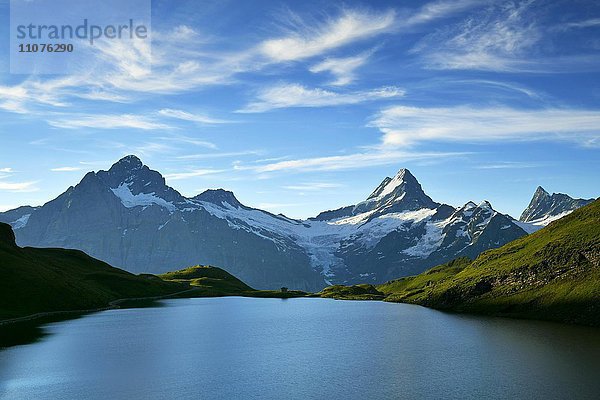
x=300 y=107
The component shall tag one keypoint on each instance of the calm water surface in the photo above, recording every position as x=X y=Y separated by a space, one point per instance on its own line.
x=240 y=348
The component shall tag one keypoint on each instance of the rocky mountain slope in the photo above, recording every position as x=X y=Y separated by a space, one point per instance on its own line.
x=128 y=217
x=545 y=208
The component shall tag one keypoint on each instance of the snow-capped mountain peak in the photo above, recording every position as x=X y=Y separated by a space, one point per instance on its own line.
x=402 y=182
x=545 y=208
x=485 y=205
x=401 y=193
x=134 y=184
x=469 y=206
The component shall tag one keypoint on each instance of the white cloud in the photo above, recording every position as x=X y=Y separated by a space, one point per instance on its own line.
x=17 y=98
x=313 y=186
x=66 y=169
x=179 y=33
x=342 y=68
x=218 y=155
x=108 y=121
x=295 y=95
x=186 y=116
x=348 y=161
x=188 y=140
x=192 y=174
x=148 y=149
x=508 y=165
x=440 y=9
x=18 y=186
x=6 y=170
x=308 y=40
x=500 y=39
x=589 y=23
x=407 y=125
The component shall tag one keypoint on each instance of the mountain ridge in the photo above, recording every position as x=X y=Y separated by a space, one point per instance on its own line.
x=129 y=217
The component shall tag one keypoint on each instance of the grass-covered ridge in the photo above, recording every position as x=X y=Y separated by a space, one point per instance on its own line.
x=553 y=274
x=213 y=281
x=356 y=292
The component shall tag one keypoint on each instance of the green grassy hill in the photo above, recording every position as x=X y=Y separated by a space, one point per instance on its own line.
x=553 y=274
x=43 y=280
x=356 y=292
x=212 y=281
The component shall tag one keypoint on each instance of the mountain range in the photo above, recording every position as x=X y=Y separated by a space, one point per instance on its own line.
x=552 y=274
x=128 y=217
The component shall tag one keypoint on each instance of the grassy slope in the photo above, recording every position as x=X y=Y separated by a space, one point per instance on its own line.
x=357 y=292
x=553 y=274
x=212 y=281
x=39 y=280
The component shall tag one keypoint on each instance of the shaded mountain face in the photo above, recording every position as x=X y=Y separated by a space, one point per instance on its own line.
x=545 y=208
x=128 y=217
x=41 y=280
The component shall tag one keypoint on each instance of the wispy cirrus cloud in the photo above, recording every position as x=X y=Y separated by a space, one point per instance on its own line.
x=6 y=170
x=66 y=169
x=440 y=9
x=174 y=138
x=357 y=160
x=343 y=69
x=509 y=165
x=588 y=23
x=108 y=121
x=498 y=39
x=295 y=95
x=313 y=186
x=192 y=174
x=307 y=40
x=225 y=154
x=18 y=186
x=192 y=117
x=403 y=126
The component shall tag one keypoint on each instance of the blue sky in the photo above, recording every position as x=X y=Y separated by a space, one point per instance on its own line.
x=299 y=107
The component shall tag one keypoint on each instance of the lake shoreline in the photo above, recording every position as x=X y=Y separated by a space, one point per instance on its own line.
x=116 y=304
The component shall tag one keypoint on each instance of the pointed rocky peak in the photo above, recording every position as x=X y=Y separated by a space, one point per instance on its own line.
x=127 y=168
x=544 y=207
x=398 y=194
x=130 y=162
x=402 y=182
x=486 y=205
x=133 y=183
x=130 y=171
x=219 y=197
x=469 y=206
